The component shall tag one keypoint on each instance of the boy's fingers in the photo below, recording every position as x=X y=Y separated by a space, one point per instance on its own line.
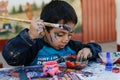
x=85 y=57
x=79 y=56
x=41 y=34
x=37 y=28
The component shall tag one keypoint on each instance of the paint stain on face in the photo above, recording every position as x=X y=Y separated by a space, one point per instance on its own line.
x=55 y=34
x=51 y=40
x=55 y=37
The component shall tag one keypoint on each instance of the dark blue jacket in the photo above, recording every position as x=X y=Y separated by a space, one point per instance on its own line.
x=22 y=50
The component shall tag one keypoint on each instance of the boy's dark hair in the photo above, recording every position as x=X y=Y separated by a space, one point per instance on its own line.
x=58 y=10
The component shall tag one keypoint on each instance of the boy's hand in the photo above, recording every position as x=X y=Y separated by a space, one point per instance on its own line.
x=36 y=29
x=84 y=54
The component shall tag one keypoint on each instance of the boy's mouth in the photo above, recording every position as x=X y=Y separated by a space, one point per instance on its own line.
x=61 y=46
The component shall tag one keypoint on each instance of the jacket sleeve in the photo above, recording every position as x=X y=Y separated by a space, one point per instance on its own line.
x=94 y=47
x=16 y=50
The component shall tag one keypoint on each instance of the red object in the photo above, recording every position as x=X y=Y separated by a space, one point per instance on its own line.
x=77 y=63
x=118 y=61
x=118 y=47
x=1 y=65
x=70 y=64
x=115 y=70
x=73 y=64
x=2 y=43
x=50 y=68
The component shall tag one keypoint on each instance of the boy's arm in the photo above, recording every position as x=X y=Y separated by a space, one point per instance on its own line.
x=94 y=47
x=16 y=51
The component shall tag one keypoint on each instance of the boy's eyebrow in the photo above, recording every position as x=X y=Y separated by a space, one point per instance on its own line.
x=65 y=32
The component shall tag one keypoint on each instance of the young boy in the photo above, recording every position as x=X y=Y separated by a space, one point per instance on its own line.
x=32 y=47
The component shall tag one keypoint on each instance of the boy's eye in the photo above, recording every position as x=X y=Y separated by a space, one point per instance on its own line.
x=69 y=34
x=60 y=34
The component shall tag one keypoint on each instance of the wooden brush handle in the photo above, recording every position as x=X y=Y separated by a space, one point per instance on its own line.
x=29 y=21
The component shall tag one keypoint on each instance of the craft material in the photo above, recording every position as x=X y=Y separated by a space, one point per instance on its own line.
x=50 y=68
x=115 y=70
x=73 y=64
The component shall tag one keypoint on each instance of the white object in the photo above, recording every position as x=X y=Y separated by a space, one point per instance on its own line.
x=114 y=58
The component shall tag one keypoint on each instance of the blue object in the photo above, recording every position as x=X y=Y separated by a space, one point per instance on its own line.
x=109 y=64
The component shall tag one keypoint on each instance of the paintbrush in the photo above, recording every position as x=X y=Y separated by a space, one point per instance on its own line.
x=29 y=21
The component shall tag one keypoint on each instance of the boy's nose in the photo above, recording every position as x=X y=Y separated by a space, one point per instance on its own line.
x=65 y=39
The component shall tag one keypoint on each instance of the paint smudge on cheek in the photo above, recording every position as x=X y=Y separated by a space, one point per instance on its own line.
x=51 y=40
x=55 y=35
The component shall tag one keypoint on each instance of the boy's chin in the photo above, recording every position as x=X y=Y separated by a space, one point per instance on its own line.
x=58 y=48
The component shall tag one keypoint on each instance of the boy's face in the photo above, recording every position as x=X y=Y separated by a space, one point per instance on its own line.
x=59 y=37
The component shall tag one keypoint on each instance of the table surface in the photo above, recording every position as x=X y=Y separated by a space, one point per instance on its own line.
x=97 y=69
x=99 y=72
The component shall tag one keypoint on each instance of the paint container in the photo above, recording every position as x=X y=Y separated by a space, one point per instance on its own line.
x=109 y=64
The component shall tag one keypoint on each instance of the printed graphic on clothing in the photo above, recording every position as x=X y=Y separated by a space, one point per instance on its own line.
x=48 y=54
